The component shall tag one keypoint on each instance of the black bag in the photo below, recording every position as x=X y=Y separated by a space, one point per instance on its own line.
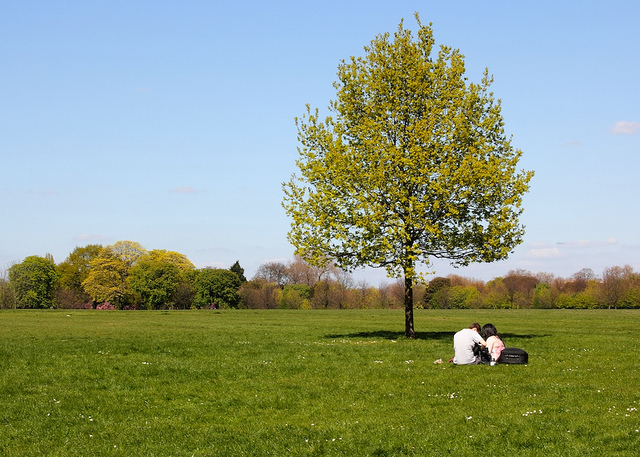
x=514 y=356
x=481 y=353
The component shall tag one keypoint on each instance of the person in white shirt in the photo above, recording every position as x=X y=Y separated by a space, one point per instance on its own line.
x=463 y=343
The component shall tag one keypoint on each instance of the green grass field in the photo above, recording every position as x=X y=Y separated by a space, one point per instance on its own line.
x=231 y=383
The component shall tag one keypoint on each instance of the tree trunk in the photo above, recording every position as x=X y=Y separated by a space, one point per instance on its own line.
x=408 y=308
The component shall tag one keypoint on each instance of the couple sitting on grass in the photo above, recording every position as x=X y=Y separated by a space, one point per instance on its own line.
x=470 y=348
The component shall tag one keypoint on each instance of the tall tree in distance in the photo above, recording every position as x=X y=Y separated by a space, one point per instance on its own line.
x=237 y=269
x=107 y=279
x=154 y=281
x=7 y=294
x=73 y=271
x=34 y=281
x=216 y=287
x=411 y=164
x=127 y=251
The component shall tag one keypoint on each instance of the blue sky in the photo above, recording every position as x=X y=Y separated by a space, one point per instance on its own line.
x=172 y=123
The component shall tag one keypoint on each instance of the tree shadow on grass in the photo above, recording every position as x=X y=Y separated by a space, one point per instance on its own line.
x=389 y=335
x=509 y=337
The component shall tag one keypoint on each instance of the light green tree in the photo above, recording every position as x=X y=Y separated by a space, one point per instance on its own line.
x=107 y=280
x=127 y=251
x=412 y=164
x=161 y=255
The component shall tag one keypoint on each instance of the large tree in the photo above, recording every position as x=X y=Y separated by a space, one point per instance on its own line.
x=107 y=280
x=412 y=164
x=160 y=278
x=616 y=283
x=237 y=269
x=34 y=281
x=73 y=271
x=127 y=251
x=155 y=282
x=217 y=287
x=160 y=255
x=7 y=294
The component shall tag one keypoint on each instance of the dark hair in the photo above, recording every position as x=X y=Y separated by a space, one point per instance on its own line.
x=490 y=330
x=476 y=326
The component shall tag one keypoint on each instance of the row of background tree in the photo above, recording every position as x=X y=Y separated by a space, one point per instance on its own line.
x=123 y=275
x=127 y=276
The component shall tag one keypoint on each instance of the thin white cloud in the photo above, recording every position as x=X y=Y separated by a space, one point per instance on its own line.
x=625 y=128
x=184 y=190
x=582 y=244
x=539 y=244
x=541 y=250
x=543 y=253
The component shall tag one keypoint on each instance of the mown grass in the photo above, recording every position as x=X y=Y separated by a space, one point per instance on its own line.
x=223 y=383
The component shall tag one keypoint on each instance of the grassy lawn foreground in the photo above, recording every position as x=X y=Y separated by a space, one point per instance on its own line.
x=230 y=383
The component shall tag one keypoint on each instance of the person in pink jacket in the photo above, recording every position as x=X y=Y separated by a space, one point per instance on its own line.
x=495 y=345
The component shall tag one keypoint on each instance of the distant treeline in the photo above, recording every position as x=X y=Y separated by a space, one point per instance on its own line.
x=127 y=276
x=123 y=275
x=298 y=285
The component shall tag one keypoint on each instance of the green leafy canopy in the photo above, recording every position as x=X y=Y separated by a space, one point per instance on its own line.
x=411 y=164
